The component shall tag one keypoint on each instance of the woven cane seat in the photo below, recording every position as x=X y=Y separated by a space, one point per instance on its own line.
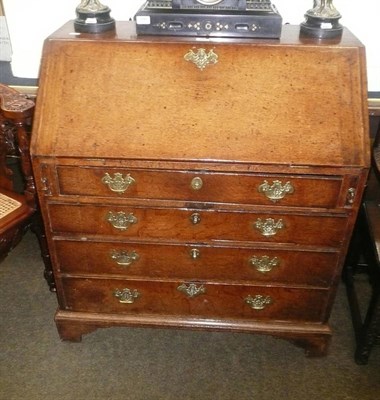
x=8 y=205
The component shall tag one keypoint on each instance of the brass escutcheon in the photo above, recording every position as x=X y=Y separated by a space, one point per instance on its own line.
x=269 y=227
x=124 y=258
x=118 y=183
x=120 y=220
x=126 y=296
x=258 y=302
x=195 y=218
x=350 y=199
x=276 y=191
x=191 y=290
x=264 y=264
x=201 y=58
x=195 y=254
x=196 y=183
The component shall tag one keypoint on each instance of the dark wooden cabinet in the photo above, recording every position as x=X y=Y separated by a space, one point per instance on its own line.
x=200 y=183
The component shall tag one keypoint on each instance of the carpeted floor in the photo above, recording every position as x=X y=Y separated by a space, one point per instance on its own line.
x=155 y=364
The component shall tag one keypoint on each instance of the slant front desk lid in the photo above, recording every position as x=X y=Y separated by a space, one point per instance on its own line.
x=295 y=98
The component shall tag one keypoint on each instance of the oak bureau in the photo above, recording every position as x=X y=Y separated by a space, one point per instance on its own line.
x=199 y=183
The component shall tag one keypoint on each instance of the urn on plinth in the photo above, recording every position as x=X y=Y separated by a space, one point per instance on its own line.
x=322 y=21
x=93 y=17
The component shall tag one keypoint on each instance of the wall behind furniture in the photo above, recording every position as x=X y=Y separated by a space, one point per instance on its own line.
x=30 y=22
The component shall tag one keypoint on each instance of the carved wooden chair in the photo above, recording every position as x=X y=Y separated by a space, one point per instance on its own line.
x=18 y=200
x=364 y=258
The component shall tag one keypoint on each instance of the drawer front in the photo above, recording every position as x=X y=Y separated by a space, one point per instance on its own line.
x=193 y=186
x=230 y=264
x=197 y=225
x=208 y=300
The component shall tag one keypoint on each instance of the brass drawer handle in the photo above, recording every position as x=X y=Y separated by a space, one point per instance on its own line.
x=201 y=58
x=195 y=254
x=264 y=264
x=124 y=258
x=196 y=183
x=191 y=290
x=126 y=296
x=120 y=220
x=195 y=218
x=258 y=302
x=276 y=191
x=269 y=227
x=118 y=183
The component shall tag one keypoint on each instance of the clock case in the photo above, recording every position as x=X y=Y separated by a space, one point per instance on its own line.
x=227 y=18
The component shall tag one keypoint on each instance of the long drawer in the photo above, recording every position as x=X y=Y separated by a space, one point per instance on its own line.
x=208 y=300
x=261 y=189
x=217 y=263
x=197 y=225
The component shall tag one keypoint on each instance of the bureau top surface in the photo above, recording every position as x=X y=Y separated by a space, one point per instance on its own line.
x=287 y=101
